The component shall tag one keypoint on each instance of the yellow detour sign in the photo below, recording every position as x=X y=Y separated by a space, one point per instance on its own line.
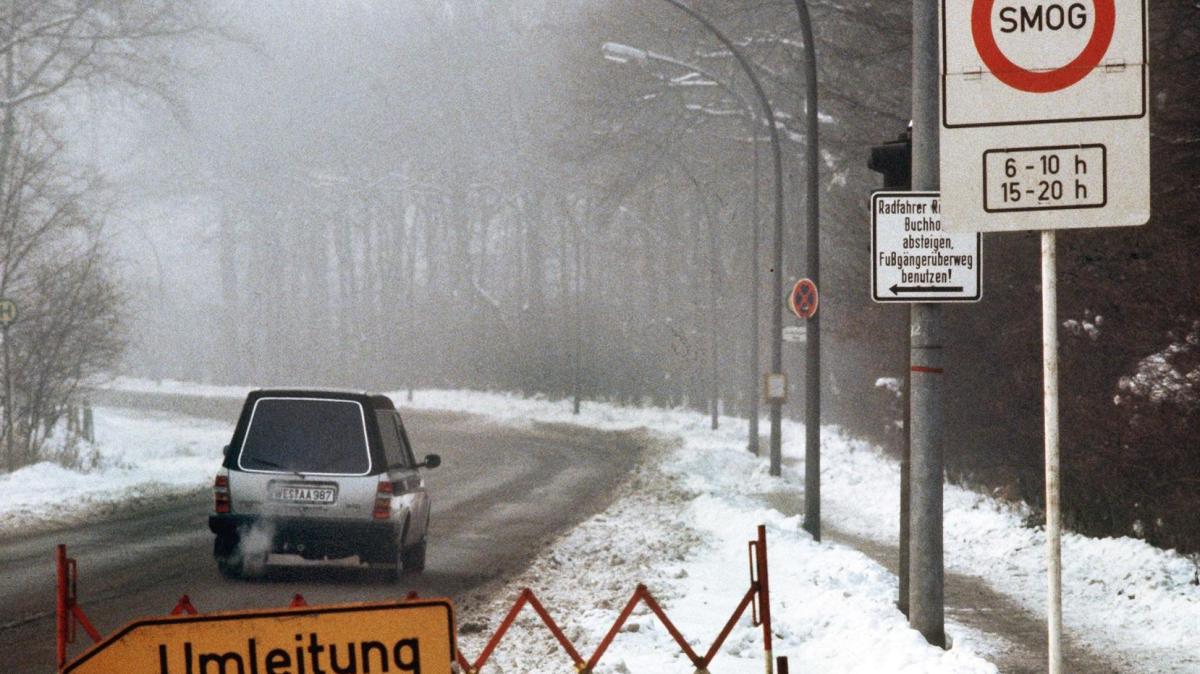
x=412 y=636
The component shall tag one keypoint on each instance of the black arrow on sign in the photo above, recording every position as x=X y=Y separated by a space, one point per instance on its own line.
x=897 y=289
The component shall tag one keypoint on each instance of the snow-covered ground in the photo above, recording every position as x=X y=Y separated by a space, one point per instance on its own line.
x=140 y=455
x=1121 y=595
x=681 y=527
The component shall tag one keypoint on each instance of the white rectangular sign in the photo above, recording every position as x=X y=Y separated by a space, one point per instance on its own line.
x=796 y=334
x=775 y=386
x=1044 y=114
x=914 y=258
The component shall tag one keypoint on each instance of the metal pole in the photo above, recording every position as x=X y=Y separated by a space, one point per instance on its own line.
x=713 y=324
x=752 y=123
x=10 y=422
x=905 y=487
x=755 y=282
x=812 y=356
x=764 y=593
x=62 y=606
x=714 y=380
x=926 y=599
x=1050 y=391
x=577 y=355
x=777 y=269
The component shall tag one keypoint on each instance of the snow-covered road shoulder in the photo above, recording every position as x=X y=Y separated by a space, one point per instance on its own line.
x=680 y=527
x=1135 y=604
x=138 y=456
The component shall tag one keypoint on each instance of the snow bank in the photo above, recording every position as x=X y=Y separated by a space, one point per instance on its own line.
x=679 y=528
x=1121 y=596
x=141 y=455
x=173 y=387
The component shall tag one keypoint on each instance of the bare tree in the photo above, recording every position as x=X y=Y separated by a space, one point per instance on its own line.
x=53 y=260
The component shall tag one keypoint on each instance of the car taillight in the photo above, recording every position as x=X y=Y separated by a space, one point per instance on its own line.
x=383 y=499
x=221 y=492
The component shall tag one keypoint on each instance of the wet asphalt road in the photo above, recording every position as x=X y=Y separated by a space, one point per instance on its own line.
x=500 y=495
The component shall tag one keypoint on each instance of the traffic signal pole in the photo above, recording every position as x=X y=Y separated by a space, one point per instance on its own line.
x=926 y=585
x=894 y=160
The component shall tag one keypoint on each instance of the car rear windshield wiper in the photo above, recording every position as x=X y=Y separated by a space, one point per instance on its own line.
x=271 y=464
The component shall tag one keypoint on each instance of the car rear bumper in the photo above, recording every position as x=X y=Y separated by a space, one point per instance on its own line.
x=313 y=537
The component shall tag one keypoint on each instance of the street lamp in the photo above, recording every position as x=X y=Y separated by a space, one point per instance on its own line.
x=812 y=377
x=622 y=53
x=777 y=159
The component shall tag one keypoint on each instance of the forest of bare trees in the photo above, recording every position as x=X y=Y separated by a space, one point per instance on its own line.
x=55 y=258
x=468 y=194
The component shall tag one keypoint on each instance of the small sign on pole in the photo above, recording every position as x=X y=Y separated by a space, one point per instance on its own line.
x=797 y=334
x=775 y=387
x=914 y=258
x=8 y=312
x=804 y=299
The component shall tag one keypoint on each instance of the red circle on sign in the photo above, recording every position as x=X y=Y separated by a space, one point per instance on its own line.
x=1042 y=82
x=804 y=299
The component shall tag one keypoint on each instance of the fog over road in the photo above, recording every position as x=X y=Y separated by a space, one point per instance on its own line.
x=500 y=495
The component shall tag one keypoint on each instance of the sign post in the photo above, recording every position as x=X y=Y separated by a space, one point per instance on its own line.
x=926 y=592
x=8 y=316
x=804 y=300
x=1045 y=126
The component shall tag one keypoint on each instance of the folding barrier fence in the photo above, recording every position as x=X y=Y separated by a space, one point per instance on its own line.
x=757 y=598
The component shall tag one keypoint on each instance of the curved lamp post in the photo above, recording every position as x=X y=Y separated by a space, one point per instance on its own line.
x=777 y=157
x=812 y=195
x=621 y=53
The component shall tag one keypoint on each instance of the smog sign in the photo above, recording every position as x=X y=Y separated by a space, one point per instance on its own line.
x=914 y=258
x=1044 y=114
x=415 y=636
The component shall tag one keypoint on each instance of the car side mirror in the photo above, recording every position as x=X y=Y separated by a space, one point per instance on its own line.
x=225 y=450
x=432 y=461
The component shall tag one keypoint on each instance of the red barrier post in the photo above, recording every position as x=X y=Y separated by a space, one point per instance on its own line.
x=764 y=593
x=671 y=629
x=500 y=631
x=61 y=608
x=612 y=633
x=184 y=605
x=555 y=630
x=68 y=615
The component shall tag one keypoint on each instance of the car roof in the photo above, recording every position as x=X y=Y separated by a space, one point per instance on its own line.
x=374 y=400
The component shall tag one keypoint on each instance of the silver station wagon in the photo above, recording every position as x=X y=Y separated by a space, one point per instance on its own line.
x=322 y=475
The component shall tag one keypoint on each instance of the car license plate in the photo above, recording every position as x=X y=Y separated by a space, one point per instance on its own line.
x=288 y=493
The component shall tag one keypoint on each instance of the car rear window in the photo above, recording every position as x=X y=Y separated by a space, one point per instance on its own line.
x=306 y=435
